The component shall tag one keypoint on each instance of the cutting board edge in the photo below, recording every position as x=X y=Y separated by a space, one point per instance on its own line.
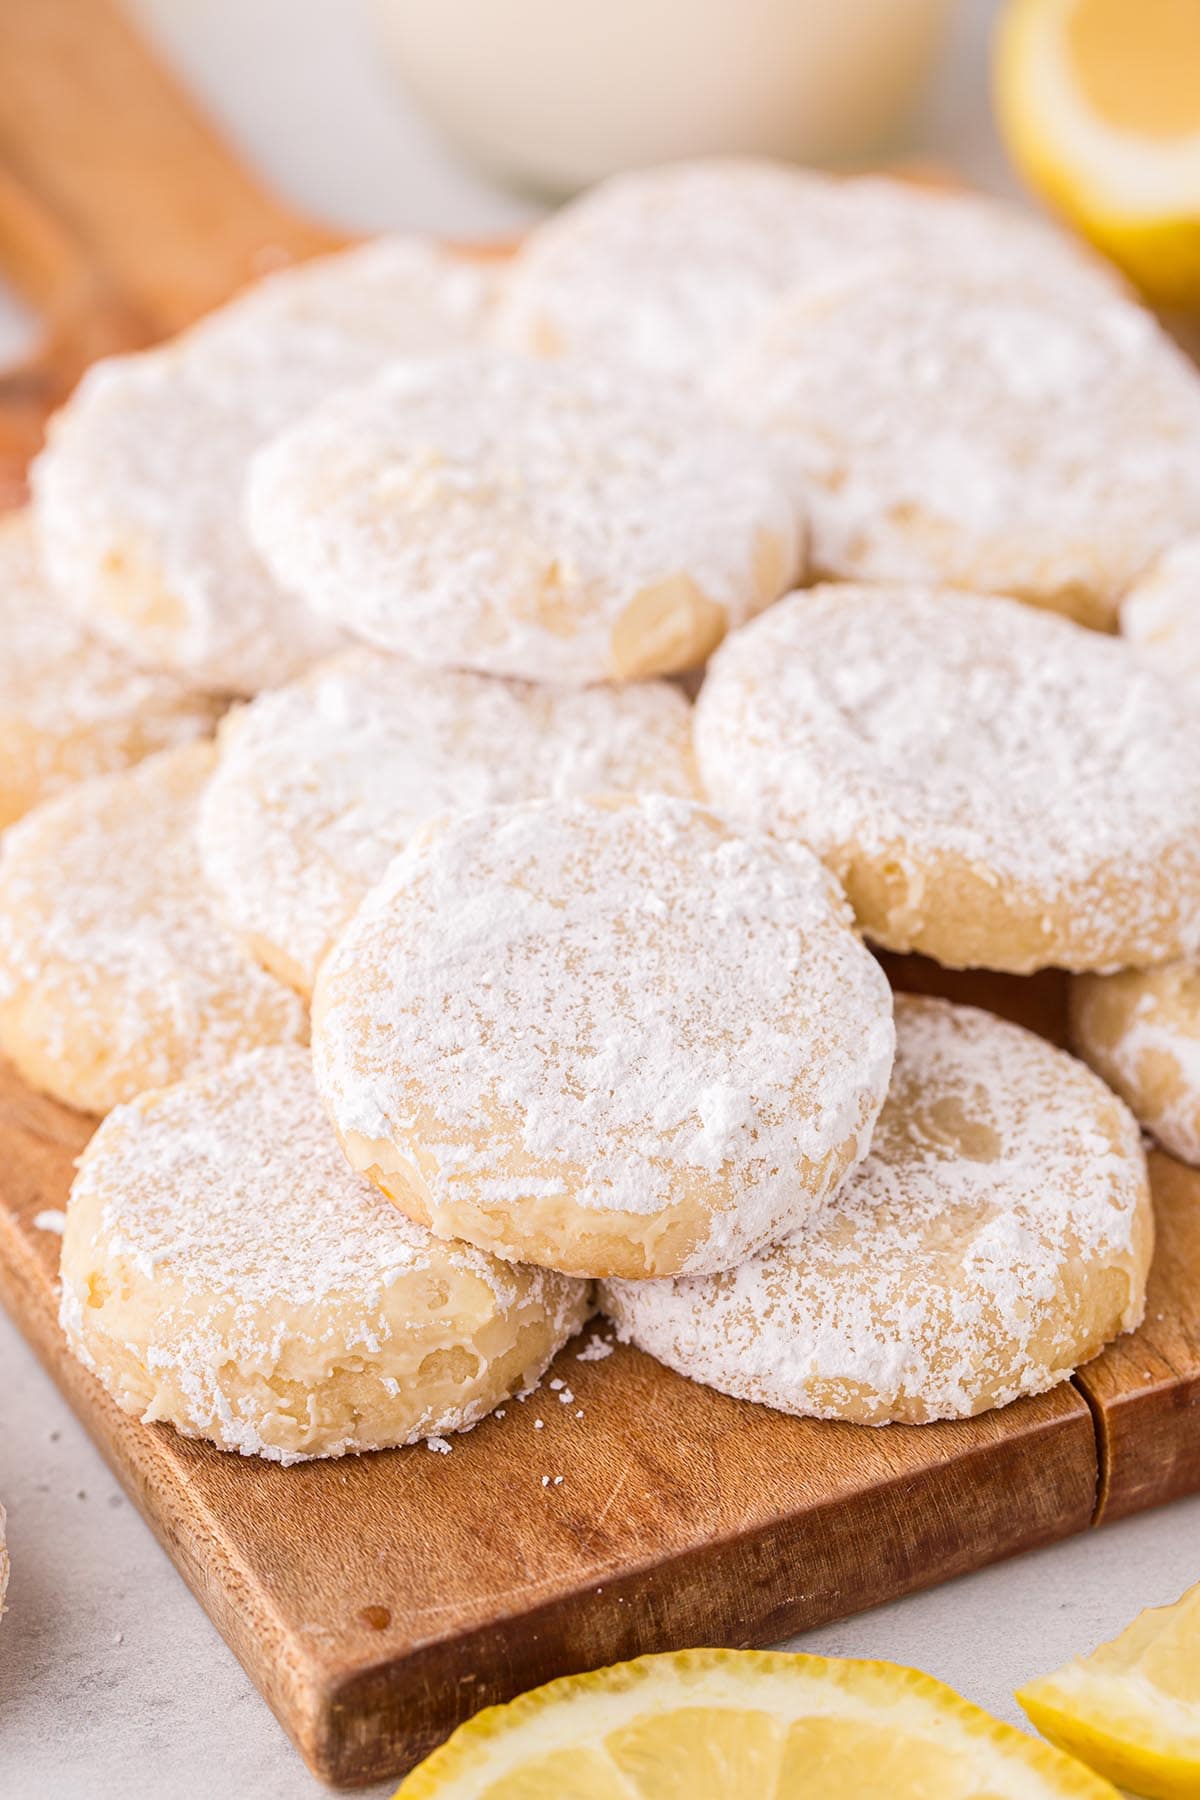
x=646 y=1607
x=654 y=1604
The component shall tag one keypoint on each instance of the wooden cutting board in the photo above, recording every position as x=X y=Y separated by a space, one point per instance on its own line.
x=377 y=1601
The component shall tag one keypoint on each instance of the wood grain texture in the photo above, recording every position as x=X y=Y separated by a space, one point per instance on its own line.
x=92 y=124
x=379 y=1600
x=1038 y=1002
x=1144 y=1390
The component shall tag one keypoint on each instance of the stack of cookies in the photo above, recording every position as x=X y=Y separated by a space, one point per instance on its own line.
x=473 y=965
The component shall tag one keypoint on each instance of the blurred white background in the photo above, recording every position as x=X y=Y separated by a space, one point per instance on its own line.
x=301 y=88
x=304 y=93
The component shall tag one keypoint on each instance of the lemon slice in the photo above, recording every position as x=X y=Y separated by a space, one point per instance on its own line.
x=745 y=1725
x=1132 y=1708
x=1099 y=101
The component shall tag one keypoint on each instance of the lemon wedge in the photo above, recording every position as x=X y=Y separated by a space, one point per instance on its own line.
x=1099 y=102
x=1132 y=1708
x=745 y=1725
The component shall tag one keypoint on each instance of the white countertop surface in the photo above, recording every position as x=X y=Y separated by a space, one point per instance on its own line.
x=113 y=1684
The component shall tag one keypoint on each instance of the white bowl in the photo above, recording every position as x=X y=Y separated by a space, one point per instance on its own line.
x=561 y=92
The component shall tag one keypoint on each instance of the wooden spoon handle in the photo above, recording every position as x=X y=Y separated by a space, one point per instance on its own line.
x=93 y=128
x=82 y=315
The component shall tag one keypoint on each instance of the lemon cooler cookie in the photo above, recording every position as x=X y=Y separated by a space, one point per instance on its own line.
x=115 y=972
x=997 y=1236
x=320 y=783
x=1160 y=615
x=603 y=1035
x=986 y=434
x=71 y=705
x=1140 y=1029
x=138 y=493
x=994 y=786
x=224 y=1270
x=555 y=521
x=669 y=268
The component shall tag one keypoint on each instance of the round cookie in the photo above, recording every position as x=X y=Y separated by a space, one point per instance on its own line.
x=139 y=491
x=319 y=784
x=670 y=268
x=70 y=705
x=1160 y=615
x=224 y=1270
x=553 y=521
x=997 y=1236
x=990 y=435
x=992 y=785
x=1140 y=1029
x=115 y=972
x=604 y=1035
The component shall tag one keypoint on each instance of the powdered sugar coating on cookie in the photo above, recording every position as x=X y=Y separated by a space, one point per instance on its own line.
x=998 y=1234
x=670 y=268
x=224 y=1268
x=993 y=785
x=986 y=435
x=604 y=1035
x=1140 y=1030
x=71 y=706
x=318 y=785
x=552 y=521
x=138 y=493
x=1160 y=616
x=115 y=972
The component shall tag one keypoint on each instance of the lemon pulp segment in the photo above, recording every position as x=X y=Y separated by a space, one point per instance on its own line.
x=1099 y=103
x=1132 y=1708
x=717 y=1724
